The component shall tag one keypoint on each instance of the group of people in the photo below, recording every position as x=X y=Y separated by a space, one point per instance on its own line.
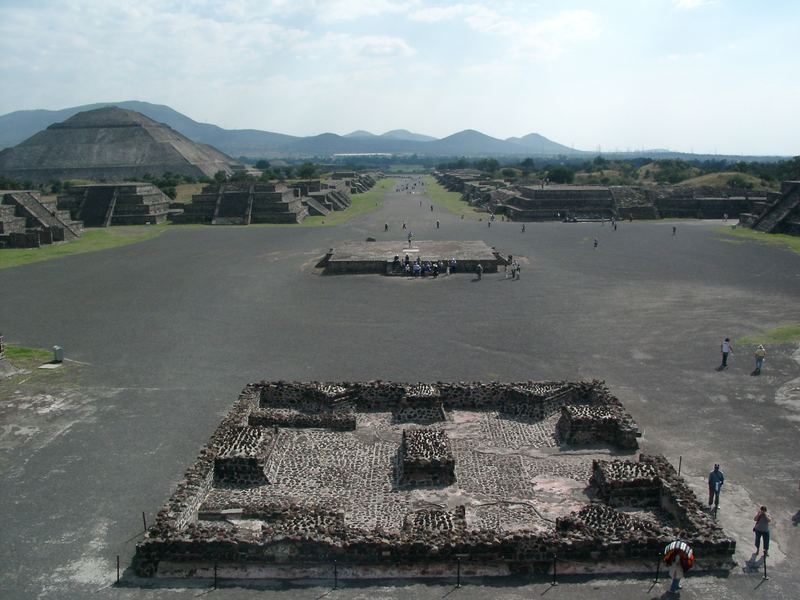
x=423 y=268
x=716 y=478
x=726 y=349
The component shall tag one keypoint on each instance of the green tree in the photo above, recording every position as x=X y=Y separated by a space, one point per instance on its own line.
x=561 y=174
x=220 y=176
x=56 y=186
x=307 y=170
x=262 y=164
x=527 y=166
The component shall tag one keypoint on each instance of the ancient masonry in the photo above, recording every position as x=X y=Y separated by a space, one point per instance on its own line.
x=110 y=144
x=28 y=221
x=390 y=478
x=246 y=202
x=104 y=204
x=527 y=202
x=779 y=213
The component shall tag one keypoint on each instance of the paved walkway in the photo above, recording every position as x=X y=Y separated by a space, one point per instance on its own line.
x=174 y=327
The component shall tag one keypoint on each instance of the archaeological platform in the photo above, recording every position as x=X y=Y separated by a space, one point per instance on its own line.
x=379 y=257
x=390 y=479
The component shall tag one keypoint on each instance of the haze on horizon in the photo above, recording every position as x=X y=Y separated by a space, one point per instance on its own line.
x=708 y=76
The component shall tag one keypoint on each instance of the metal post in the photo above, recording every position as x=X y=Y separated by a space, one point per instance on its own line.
x=144 y=521
x=680 y=461
x=658 y=569
x=335 y=575
x=117 y=568
x=554 y=568
x=765 y=568
x=458 y=573
x=215 y=575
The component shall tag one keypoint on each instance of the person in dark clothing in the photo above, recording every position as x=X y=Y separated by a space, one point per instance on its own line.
x=715 y=480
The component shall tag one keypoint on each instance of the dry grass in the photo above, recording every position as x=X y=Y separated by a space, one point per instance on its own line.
x=721 y=180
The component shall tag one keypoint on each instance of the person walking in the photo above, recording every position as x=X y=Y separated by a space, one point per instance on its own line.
x=676 y=573
x=479 y=271
x=760 y=354
x=674 y=230
x=386 y=227
x=410 y=235
x=596 y=242
x=523 y=228
x=715 y=480
x=726 y=348
x=761 y=529
x=437 y=223
x=404 y=224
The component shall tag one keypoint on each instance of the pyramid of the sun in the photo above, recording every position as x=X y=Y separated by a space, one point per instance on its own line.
x=111 y=144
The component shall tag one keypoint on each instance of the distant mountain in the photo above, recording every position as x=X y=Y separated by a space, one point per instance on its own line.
x=18 y=126
x=405 y=134
x=538 y=144
x=359 y=133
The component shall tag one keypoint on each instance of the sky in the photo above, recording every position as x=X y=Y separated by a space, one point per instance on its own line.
x=705 y=76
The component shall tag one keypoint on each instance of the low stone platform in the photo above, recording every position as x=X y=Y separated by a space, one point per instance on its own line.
x=377 y=257
x=489 y=480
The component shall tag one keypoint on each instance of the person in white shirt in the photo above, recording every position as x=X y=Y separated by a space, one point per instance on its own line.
x=726 y=348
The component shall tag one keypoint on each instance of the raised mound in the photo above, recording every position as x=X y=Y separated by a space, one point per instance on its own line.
x=110 y=144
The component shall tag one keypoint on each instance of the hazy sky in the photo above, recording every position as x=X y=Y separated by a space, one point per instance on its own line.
x=701 y=75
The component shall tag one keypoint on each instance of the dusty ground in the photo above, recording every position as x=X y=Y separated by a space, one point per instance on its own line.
x=172 y=328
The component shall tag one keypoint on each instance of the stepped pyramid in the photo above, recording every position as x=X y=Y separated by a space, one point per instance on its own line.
x=110 y=144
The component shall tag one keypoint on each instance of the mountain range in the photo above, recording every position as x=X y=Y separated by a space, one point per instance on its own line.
x=18 y=126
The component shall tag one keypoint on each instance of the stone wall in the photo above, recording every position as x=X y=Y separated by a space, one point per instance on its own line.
x=426 y=458
x=199 y=525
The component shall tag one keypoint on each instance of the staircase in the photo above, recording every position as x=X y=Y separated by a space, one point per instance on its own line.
x=34 y=210
x=772 y=217
x=96 y=205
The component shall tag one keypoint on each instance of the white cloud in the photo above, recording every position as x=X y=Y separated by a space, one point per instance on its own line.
x=692 y=4
x=355 y=49
x=545 y=38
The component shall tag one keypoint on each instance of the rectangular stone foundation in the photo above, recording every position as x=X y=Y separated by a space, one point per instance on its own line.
x=492 y=484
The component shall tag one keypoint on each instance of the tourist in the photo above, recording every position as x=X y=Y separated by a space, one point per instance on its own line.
x=386 y=227
x=676 y=572
x=453 y=265
x=515 y=271
x=761 y=529
x=416 y=269
x=479 y=270
x=431 y=207
x=761 y=354
x=410 y=235
x=595 y=242
x=726 y=348
x=715 y=480
x=489 y=223
x=437 y=223
x=404 y=224
x=435 y=268
x=674 y=230
x=724 y=217
x=523 y=228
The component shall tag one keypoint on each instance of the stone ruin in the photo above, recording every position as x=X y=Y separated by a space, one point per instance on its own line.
x=778 y=213
x=106 y=204
x=386 y=477
x=246 y=202
x=527 y=202
x=243 y=203
x=29 y=221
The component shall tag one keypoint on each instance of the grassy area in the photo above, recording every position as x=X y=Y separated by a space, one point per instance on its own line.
x=185 y=191
x=785 y=334
x=361 y=204
x=721 y=180
x=92 y=240
x=743 y=234
x=450 y=200
x=18 y=354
